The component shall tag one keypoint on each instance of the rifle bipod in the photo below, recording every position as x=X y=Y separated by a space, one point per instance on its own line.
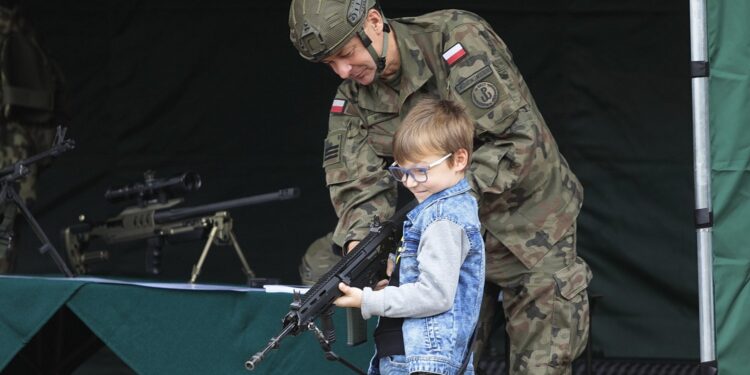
x=325 y=344
x=11 y=174
x=221 y=234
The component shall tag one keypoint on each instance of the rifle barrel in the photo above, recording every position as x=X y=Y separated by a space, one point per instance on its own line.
x=273 y=344
x=53 y=151
x=183 y=213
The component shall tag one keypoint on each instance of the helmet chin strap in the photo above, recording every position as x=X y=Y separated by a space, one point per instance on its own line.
x=379 y=60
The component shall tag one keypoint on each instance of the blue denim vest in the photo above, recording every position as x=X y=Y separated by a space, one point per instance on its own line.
x=438 y=344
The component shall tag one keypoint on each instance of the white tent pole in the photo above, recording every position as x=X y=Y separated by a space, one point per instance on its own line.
x=702 y=158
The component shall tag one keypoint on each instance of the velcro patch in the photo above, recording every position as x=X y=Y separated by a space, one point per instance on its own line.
x=472 y=80
x=484 y=95
x=338 y=106
x=453 y=54
x=331 y=150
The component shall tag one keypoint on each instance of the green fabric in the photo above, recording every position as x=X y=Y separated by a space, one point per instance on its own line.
x=729 y=56
x=27 y=303
x=163 y=331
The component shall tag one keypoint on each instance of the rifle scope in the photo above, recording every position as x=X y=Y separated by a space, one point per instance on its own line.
x=151 y=188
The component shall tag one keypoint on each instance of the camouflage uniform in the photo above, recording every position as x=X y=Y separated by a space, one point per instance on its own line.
x=318 y=259
x=25 y=120
x=18 y=142
x=529 y=198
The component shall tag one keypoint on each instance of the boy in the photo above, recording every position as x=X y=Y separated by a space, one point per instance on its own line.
x=431 y=306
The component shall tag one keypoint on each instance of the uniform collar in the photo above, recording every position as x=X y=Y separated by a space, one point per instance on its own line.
x=414 y=74
x=459 y=188
x=414 y=70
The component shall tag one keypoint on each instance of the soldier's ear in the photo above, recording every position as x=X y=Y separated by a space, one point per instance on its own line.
x=460 y=159
x=374 y=21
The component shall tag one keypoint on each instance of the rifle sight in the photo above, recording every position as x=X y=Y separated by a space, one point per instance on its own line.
x=153 y=189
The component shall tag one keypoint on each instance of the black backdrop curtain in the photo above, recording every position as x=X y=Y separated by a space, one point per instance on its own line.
x=216 y=88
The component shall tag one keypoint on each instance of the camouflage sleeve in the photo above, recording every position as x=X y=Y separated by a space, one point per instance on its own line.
x=359 y=186
x=489 y=86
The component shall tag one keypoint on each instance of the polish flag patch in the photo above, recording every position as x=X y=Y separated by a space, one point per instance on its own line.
x=454 y=54
x=338 y=106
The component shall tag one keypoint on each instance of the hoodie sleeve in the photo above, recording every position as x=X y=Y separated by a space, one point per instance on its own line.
x=442 y=250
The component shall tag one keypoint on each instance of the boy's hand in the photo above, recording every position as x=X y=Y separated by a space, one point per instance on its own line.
x=352 y=297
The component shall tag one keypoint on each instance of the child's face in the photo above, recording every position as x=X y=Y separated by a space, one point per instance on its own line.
x=439 y=177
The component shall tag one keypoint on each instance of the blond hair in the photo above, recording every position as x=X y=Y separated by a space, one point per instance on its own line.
x=433 y=126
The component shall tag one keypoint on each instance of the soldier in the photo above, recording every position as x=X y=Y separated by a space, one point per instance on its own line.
x=529 y=198
x=31 y=100
x=318 y=259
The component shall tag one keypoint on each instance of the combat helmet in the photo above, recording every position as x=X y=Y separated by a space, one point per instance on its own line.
x=319 y=28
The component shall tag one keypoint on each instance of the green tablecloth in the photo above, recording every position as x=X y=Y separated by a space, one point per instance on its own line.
x=167 y=331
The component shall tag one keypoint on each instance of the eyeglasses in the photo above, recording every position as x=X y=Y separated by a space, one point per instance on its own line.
x=418 y=174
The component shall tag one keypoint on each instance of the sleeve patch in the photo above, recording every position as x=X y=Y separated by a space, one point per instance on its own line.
x=484 y=95
x=466 y=83
x=331 y=149
x=453 y=54
x=331 y=152
x=338 y=106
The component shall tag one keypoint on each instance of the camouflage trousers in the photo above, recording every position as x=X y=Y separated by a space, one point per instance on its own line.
x=546 y=307
x=318 y=259
x=18 y=142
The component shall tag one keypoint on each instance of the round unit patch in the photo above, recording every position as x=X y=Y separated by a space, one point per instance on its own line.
x=484 y=95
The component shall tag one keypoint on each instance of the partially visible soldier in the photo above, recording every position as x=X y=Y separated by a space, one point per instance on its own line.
x=529 y=198
x=30 y=100
x=318 y=259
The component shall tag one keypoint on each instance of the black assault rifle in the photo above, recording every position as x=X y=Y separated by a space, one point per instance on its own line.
x=364 y=266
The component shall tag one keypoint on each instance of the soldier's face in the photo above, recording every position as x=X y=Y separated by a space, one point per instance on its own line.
x=354 y=62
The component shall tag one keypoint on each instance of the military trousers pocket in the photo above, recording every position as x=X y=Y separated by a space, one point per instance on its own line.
x=573 y=279
x=571 y=314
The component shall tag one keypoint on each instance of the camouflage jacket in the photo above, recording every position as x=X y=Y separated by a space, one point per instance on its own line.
x=527 y=193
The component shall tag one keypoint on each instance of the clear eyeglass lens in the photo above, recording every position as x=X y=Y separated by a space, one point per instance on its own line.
x=396 y=173
x=419 y=174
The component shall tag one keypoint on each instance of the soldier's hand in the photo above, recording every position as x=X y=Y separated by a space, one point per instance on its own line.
x=381 y=284
x=352 y=297
x=351 y=245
